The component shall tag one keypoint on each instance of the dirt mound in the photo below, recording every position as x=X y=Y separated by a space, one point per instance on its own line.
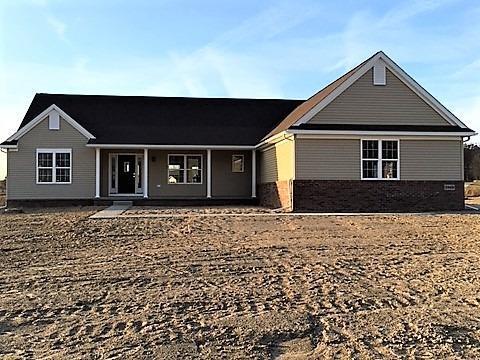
x=473 y=190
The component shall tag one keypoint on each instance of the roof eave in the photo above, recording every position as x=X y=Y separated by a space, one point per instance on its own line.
x=382 y=132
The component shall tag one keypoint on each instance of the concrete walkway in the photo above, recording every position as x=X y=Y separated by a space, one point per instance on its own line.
x=475 y=207
x=117 y=209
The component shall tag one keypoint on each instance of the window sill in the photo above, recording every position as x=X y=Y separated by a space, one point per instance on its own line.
x=185 y=183
x=54 y=183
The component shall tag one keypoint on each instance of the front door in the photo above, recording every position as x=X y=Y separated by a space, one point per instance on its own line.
x=126 y=174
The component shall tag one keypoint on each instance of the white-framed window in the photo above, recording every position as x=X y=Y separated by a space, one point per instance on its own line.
x=185 y=169
x=380 y=159
x=238 y=163
x=54 y=166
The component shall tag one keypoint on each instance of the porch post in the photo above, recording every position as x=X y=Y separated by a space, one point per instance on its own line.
x=209 y=173
x=254 y=173
x=145 y=173
x=97 y=173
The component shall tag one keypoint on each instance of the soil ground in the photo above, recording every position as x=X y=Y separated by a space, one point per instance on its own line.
x=239 y=287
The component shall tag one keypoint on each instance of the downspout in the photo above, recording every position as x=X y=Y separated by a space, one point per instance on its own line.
x=464 y=139
x=291 y=181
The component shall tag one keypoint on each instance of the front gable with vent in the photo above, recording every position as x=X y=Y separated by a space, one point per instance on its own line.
x=391 y=104
x=376 y=93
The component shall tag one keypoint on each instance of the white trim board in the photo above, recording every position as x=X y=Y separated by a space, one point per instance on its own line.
x=380 y=133
x=375 y=136
x=35 y=121
x=382 y=58
x=170 y=147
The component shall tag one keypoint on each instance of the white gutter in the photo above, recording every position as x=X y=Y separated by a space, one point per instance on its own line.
x=370 y=132
x=186 y=147
x=272 y=139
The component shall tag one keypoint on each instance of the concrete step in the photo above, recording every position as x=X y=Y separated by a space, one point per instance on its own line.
x=123 y=203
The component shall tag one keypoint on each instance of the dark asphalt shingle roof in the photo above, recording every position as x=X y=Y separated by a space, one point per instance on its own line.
x=168 y=120
x=145 y=120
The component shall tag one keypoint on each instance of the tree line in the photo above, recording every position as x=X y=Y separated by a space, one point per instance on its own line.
x=471 y=162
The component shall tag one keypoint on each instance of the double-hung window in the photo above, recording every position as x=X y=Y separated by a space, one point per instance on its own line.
x=380 y=160
x=238 y=162
x=184 y=169
x=54 y=166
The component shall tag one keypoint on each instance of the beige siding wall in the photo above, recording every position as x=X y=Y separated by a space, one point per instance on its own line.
x=277 y=162
x=339 y=159
x=431 y=159
x=21 y=165
x=327 y=159
x=364 y=103
x=226 y=183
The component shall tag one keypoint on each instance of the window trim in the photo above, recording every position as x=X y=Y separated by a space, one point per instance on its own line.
x=54 y=166
x=243 y=163
x=380 y=159
x=185 y=169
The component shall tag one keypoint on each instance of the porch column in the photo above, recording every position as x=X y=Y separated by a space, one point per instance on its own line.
x=254 y=173
x=97 y=172
x=145 y=173
x=209 y=173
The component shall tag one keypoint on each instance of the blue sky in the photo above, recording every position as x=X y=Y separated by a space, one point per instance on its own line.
x=267 y=49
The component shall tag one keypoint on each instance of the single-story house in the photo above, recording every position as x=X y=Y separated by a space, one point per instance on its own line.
x=372 y=140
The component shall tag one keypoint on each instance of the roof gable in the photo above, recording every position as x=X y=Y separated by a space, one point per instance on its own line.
x=29 y=125
x=304 y=113
x=365 y=103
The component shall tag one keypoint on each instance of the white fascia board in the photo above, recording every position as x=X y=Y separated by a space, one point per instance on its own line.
x=35 y=121
x=380 y=133
x=273 y=139
x=401 y=74
x=168 y=147
x=8 y=146
x=421 y=92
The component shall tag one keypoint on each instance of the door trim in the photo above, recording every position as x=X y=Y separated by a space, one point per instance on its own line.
x=114 y=191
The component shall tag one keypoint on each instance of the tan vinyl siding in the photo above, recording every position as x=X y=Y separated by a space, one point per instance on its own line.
x=227 y=184
x=431 y=159
x=21 y=164
x=365 y=103
x=277 y=162
x=327 y=159
x=339 y=159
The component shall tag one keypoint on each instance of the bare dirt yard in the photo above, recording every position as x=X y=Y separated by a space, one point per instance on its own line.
x=239 y=287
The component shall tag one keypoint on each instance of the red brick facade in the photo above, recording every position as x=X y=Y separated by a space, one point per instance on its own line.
x=365 y=196
x=276 y=195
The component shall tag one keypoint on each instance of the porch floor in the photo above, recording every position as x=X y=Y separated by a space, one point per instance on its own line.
x=177 y=202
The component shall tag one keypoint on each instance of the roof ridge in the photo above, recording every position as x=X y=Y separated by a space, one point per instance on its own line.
x=167 y=97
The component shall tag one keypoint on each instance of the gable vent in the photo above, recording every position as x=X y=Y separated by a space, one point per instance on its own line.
x=54 y=121
x=379 y=73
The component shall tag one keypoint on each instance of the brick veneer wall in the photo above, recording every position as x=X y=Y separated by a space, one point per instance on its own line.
x=376 y=196
x=275 y=194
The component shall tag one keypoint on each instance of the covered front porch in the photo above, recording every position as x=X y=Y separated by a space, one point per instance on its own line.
x=175 y=173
